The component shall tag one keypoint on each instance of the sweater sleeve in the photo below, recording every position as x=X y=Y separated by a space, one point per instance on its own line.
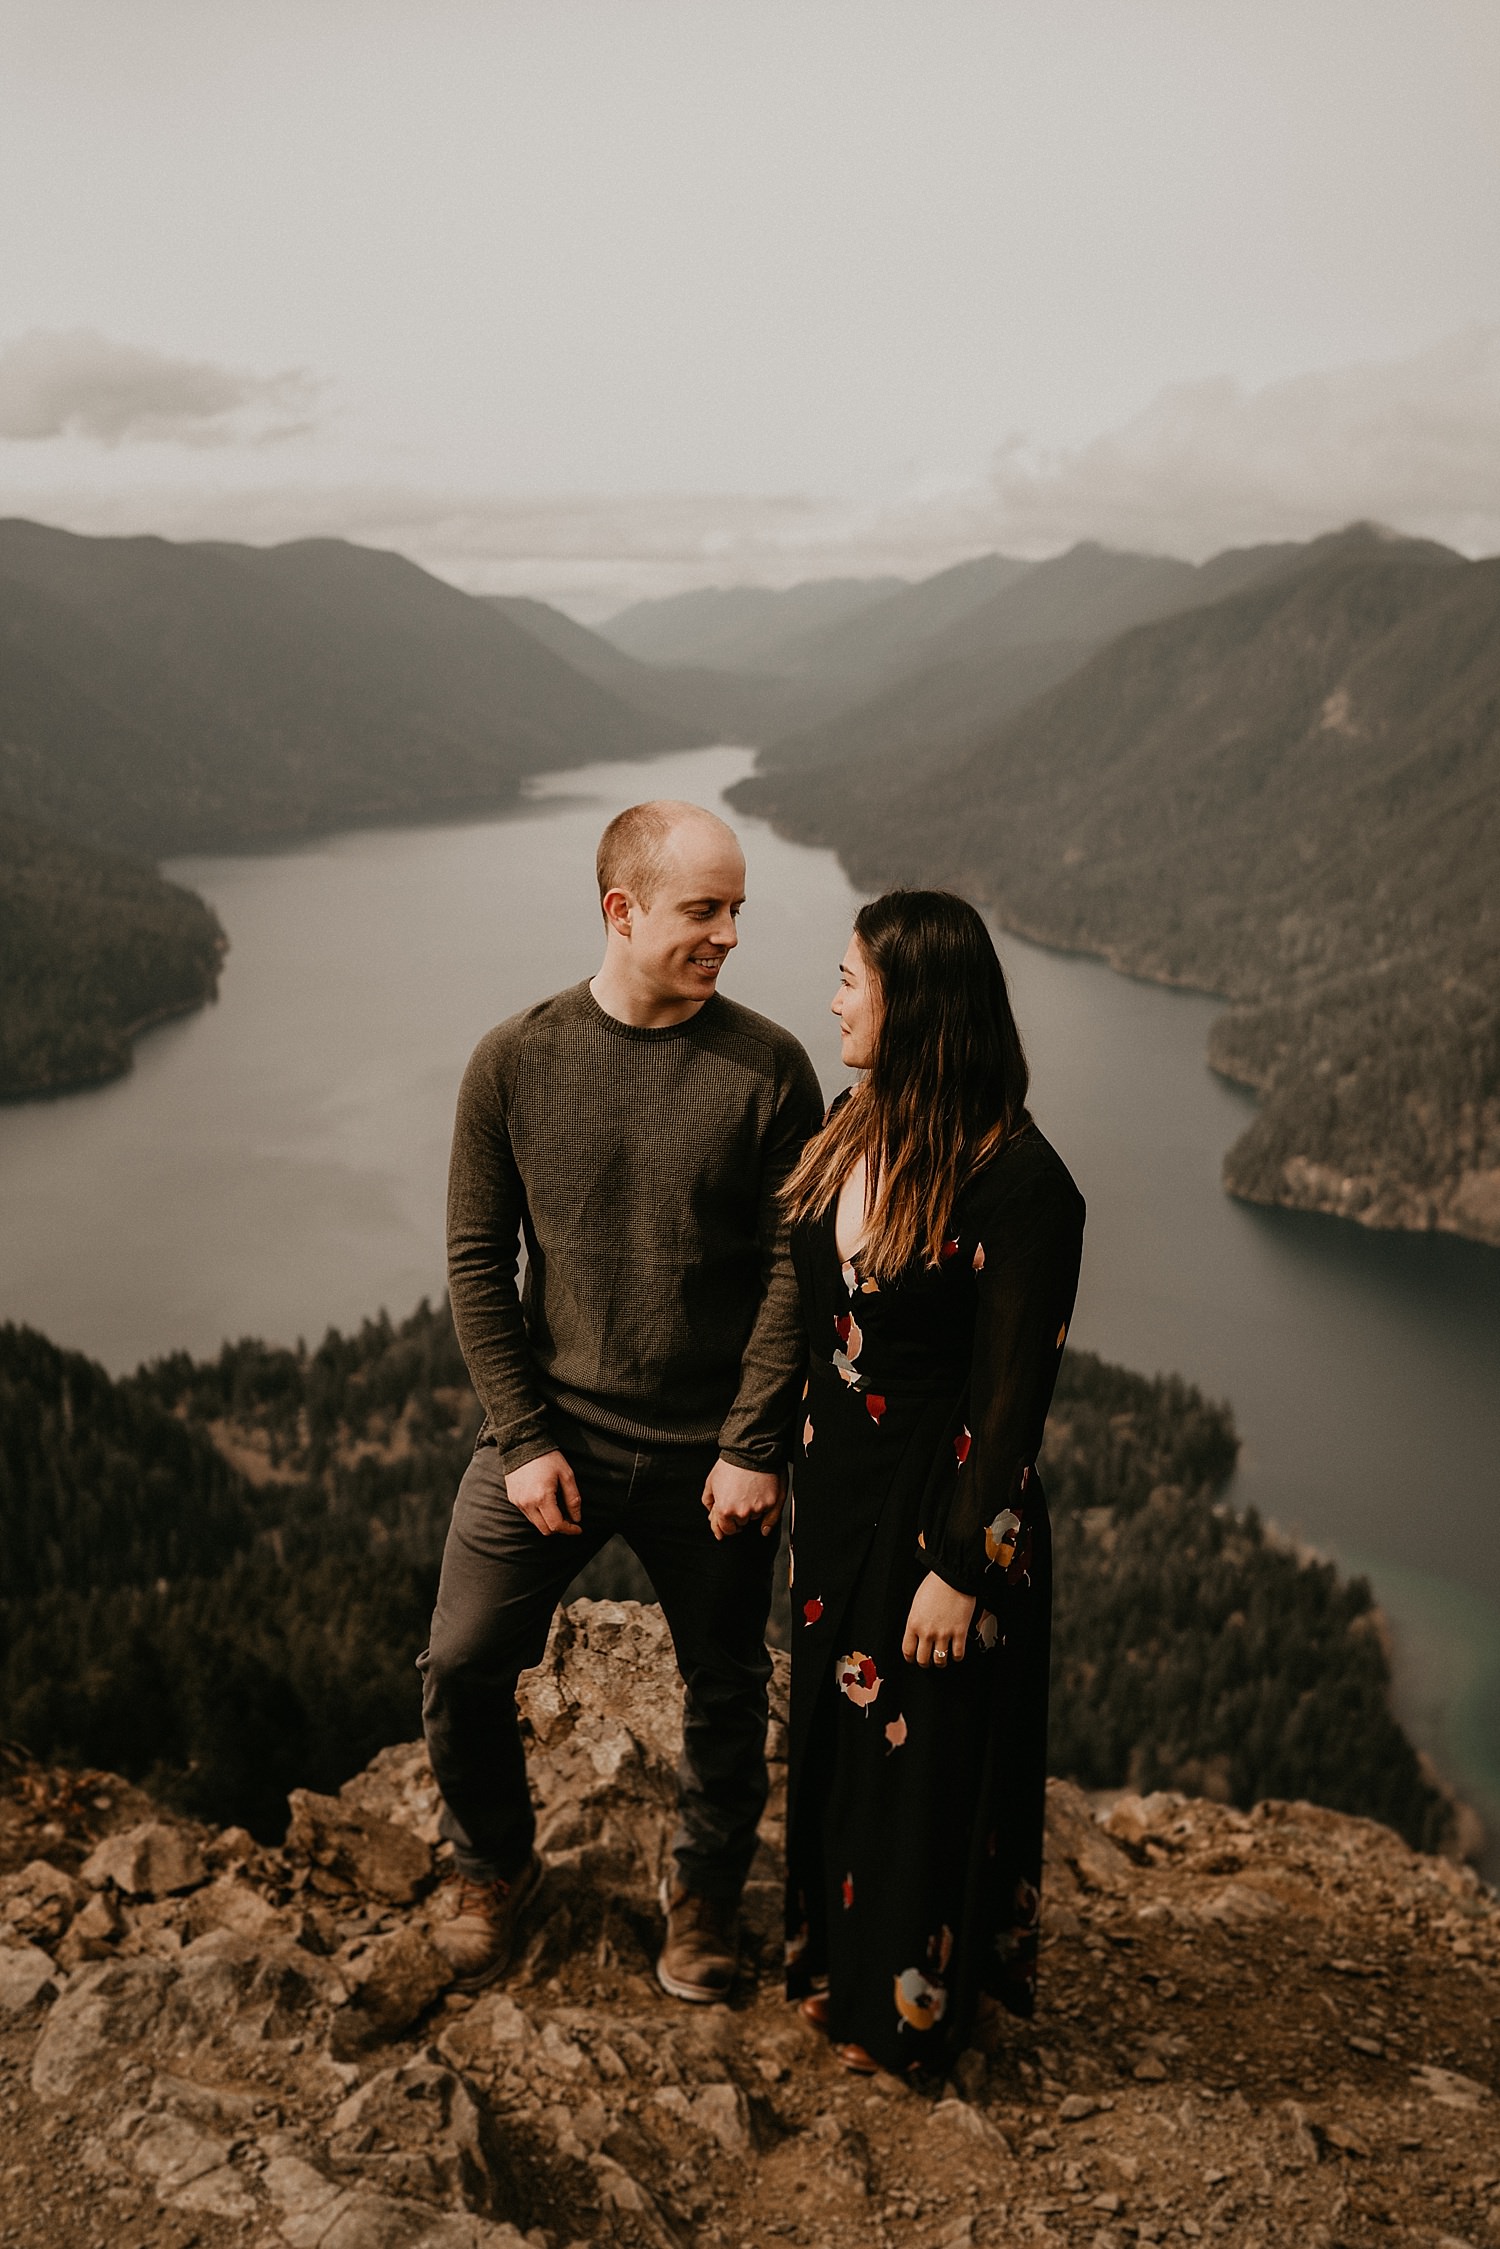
x=772 y=1367
x=486 y=1205
x=1025 y=1285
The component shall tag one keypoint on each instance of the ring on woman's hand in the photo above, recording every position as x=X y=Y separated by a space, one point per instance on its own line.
x=939 y=1655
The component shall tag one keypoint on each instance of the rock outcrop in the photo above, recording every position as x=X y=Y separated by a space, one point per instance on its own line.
x=1262 y=2029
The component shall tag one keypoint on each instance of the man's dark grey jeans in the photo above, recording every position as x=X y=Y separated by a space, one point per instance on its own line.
x=501 y=1582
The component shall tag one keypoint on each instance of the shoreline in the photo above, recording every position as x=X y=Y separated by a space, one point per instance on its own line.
x=1313 y=1187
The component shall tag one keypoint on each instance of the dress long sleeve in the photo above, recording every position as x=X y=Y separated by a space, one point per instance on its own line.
x=1024 y=1239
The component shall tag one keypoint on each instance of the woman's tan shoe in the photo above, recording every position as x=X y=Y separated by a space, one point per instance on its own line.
x=855 y=2058
x=814 y=2009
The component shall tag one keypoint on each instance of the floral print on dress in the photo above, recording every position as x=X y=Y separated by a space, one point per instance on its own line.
x=1000 y=1538
x=812 y=1611
x=851 y=1343
x=922 y=1993
x=858 y=1679
x=919 y=2001
x=987 y=1631
x=895 y=1733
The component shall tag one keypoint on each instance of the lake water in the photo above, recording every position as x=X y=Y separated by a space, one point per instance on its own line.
x=274 y=1165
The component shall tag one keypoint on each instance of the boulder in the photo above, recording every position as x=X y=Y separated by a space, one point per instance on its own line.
x=189 y=2168
x=235 y=1991
x=397 y=1785
x=153 y=1860
x=93 y=1932
x=27 y=1978
x=316 y=2212
x=37 y=1903
x=232 y=1903
x=392 y=1981
x=354 y=1850
x=1134 y=1819
x=108 y=2006
x=417 y=2129
x=1078 y=1852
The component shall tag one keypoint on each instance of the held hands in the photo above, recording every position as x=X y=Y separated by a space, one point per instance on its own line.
x=546 y=1494
x=739 y=1497
x=937 y=1629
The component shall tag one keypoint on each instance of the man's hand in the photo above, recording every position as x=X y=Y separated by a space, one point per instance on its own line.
x=546 y=1494
x=738 y=1497
x=937 y=1628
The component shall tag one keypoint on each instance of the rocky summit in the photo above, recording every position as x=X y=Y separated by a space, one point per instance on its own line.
x=1264 y=2028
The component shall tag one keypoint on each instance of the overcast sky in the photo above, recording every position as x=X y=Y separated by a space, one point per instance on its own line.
x=592 y=297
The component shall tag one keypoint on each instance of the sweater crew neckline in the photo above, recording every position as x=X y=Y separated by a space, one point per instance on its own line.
x=649 y=1034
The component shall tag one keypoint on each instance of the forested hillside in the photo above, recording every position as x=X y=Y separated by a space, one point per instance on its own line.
x=1292 y=797
x=215 y=1577
x=929 y=691
x=157 y=697
x=94 y=946
x=172 y=698
x=697 y=701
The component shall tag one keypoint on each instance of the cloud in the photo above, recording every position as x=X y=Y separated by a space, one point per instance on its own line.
x=1414 y=443
x=76 y=383
x=592 y=553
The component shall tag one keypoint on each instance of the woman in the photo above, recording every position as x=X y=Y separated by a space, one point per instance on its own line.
x=936 y=1238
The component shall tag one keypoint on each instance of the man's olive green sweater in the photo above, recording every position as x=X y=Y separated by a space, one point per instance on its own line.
x=641 y=1168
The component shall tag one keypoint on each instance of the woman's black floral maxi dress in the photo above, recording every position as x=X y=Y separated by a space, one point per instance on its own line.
x=916 y=1796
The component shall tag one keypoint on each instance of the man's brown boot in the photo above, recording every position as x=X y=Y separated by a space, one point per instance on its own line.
x=701 y=1954
x=478 y=1935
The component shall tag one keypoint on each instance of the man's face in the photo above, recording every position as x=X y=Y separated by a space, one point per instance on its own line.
x=679 y=943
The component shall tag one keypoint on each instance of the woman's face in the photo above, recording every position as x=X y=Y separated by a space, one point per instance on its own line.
x=856 y=1003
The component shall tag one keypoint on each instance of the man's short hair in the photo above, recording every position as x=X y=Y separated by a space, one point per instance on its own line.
x=633 y=848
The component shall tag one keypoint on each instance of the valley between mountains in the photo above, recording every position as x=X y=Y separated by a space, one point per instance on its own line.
x=1274 y=776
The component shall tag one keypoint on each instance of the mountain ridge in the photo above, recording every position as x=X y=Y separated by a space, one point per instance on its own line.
x=196 y=697
x=158 y=697
x=1290 y=797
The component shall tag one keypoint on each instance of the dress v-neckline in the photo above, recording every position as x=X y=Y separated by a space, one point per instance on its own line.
x=852 y=1257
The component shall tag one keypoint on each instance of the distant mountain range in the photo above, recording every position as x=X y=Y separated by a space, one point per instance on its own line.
x=1290 y=795
x=709 y=705
x=742 y=628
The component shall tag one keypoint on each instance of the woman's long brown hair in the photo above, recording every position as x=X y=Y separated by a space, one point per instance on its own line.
x=946 y=1086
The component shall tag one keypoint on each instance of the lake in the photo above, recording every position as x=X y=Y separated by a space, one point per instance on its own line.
x=274 y=1165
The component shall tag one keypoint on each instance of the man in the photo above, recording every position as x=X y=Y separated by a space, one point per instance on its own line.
x=636 y=1130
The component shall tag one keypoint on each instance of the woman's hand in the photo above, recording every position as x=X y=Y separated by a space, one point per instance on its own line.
x=937 y=1629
